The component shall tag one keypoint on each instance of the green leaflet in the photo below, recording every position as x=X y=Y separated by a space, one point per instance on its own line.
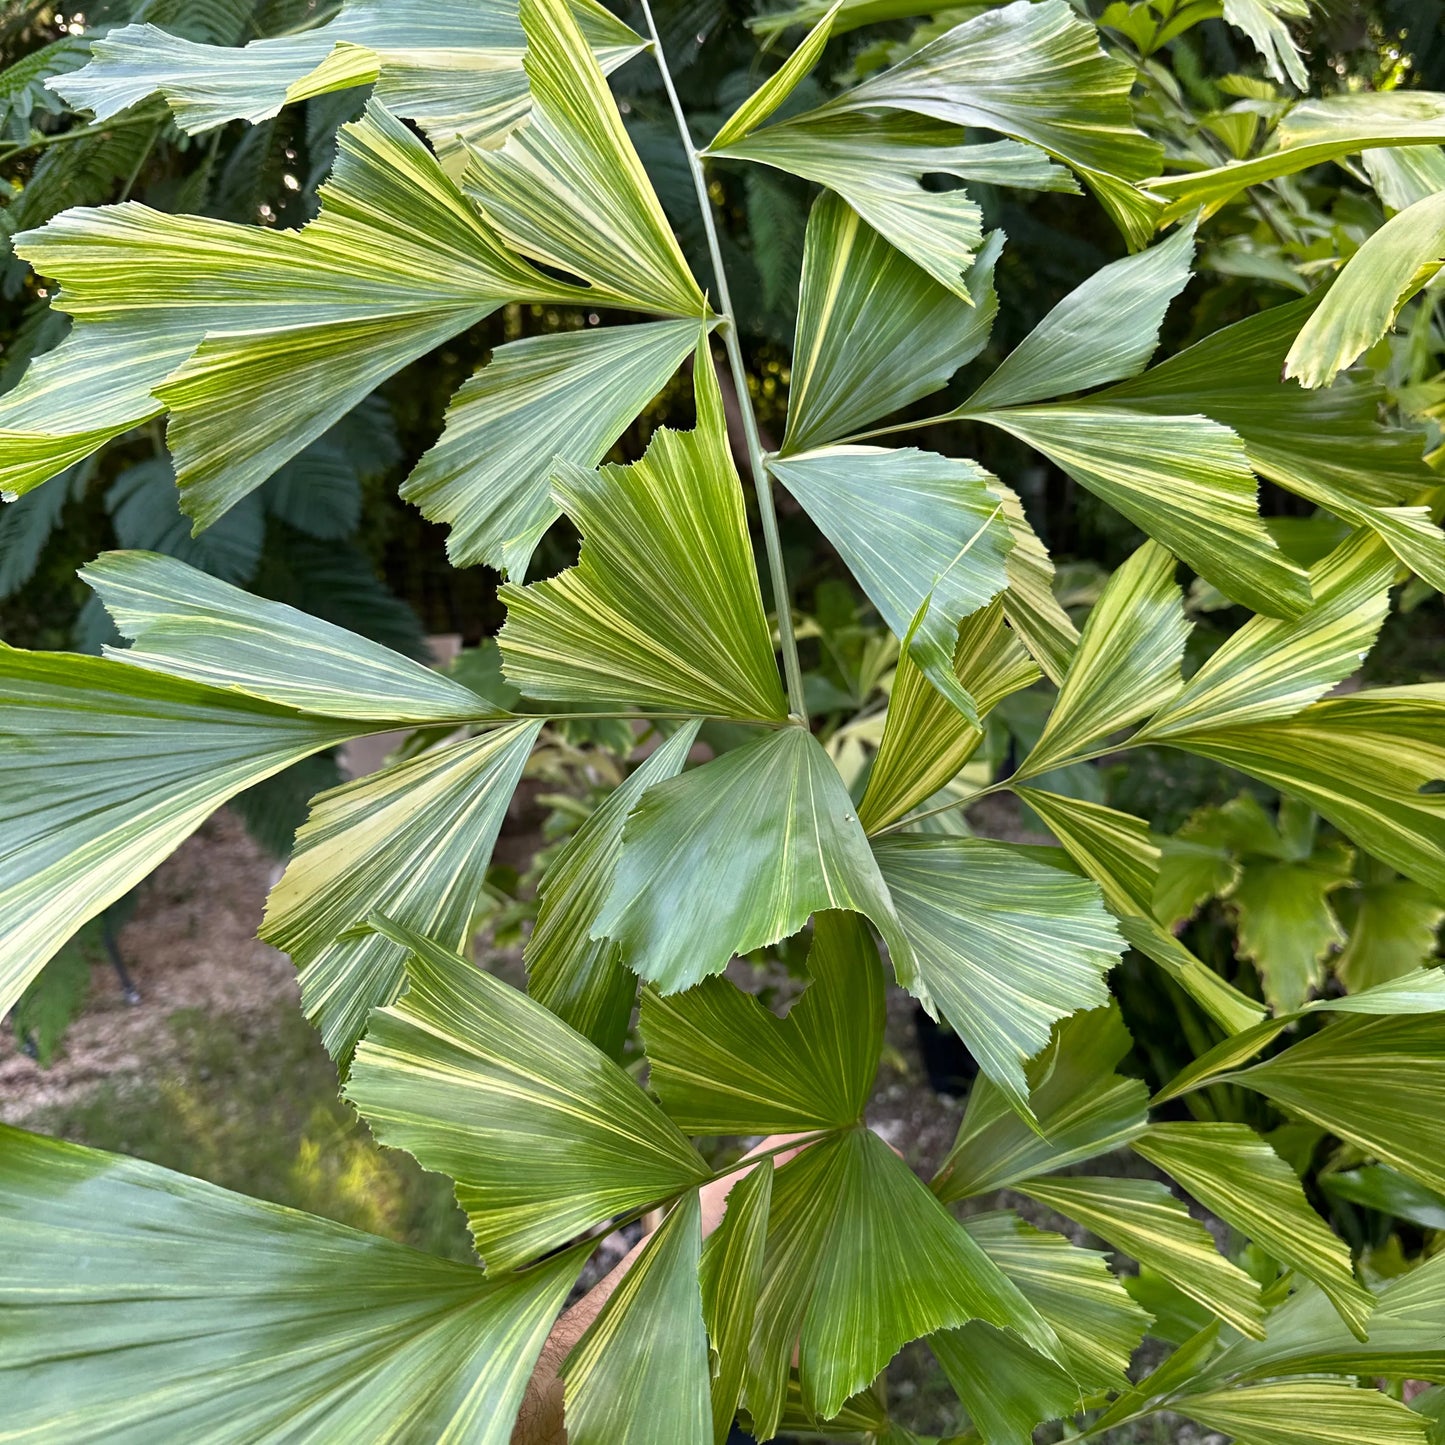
x=1273 y=669
x=1005 y=946
x=1142 y=1219
x=571 y=395
x=1402 y=175
x=1185 y=480
x=663 y=608
x=413 y=842
x=1308 y=1337
x=640 y=1374
x=1233 y=1173
x=861 y=1258
x=1326 y=445
x=1006 y=1388
x=761 y=104
x=282 y=1326
x=1115 y=849
x=544 y=1134
x=396 y=262
x=185 y=623
x=1313 y=1412
x=1232 y=1010
x=1029 y=603
x=723 y=1063
x=580 y=978
x=1312 y=132
x=1362 y=761
x=1075 y=1291
x=731 y=1275
x=1361 y=304
x=1082 y=1107
x=453 y=66
x=1370 y=1081
x=129 y=764
x=922 y=534
x=875 y=332
x=1127 y=665
x=568 y=188
x=1017 y=70
x=1392 y=925
x=877 y=161
x=737 y=854
x=926 y=740
x=1105 y=329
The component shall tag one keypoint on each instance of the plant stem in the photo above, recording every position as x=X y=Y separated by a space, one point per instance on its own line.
x=762 y=483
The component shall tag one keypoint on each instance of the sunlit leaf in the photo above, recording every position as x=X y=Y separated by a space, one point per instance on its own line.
x=1299 y=1412
x=279 y=1324
x=1029 y=603
x=570 y=394
x=413 y=842
x=1234 y=1174
x=663 y=608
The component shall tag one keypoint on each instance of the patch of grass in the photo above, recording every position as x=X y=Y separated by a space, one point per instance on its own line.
x=252 y=1105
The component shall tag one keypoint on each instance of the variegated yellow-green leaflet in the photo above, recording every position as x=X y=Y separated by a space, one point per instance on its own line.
x=722 y=1063
x=413 y=842
x=772 y=828
x=644 y=1358
x=874 y=331
x=453 y=66
x=1080 y=1298
x=1230 y=1170
x=580 y=978
x=663 y=609
x=1009 y=70
x=859 y=1259
x=1264 y=22
x=1082 y=1108
x=544 y=1134
x=1299 y=1412
x=568 y=189
x=1143 y=1220
x=926 y=740
x=210 y=320
x=282 y=1325
x=1362 y=303
x=1312 y=132
x=1006 y=1388
x=1005 y=946
x=924 y=536
x=1029 y=603
x=571 y=395
x=1326 y=445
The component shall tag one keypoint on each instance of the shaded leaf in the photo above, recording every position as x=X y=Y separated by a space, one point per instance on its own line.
x=580 y=978
x=723 y=1063
x=544 y=1134
x=640 y=1375
x=861 y=1259
x=1392 y=926
x=922 y=534
x=1006 y=1388
x=772 y=830
x=1005 y=946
